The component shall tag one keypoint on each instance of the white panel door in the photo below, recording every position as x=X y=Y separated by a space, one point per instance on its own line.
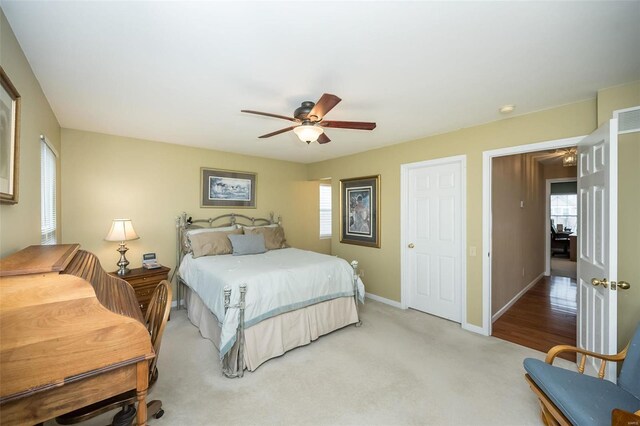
x=598 y=240
x=434 y=239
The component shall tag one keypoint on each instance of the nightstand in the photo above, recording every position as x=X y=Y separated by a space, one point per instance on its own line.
x=144 y=282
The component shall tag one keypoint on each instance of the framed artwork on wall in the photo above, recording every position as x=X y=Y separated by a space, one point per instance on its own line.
x=226 y=188
x=9 y=140
x=360 y=211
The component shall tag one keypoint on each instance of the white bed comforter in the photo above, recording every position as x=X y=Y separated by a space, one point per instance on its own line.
x=277 y=281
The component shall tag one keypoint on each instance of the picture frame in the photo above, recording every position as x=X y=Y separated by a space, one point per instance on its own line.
x=9 y=140
x=360 y=211
x=227 y=188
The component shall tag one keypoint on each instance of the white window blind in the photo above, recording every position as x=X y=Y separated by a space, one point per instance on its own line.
x=325 y=211
x=47 y=194
x=564 y=211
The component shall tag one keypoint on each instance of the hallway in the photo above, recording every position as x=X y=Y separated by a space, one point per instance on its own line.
x=544 y=317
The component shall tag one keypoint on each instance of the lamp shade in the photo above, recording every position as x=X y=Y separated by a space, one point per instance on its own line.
x=121 y=230
x=308 y=132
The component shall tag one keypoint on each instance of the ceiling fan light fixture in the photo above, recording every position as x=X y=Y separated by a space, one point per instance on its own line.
x=308 y=132
x=570 y=158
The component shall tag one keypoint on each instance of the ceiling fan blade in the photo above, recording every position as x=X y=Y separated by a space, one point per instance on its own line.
x=295 y=120
x=277 y=132
x=357 y=125
x=324 y=105
x=323 y=138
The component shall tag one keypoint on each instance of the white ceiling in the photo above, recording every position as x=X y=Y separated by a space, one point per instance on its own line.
x=180 y=72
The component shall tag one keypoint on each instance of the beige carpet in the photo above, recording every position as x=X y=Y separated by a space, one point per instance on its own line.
x=561 y=267
x=399 y=368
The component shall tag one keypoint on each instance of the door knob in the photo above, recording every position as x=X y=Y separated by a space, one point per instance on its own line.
x=603 y=282
x=411 y=245
x=623 y=285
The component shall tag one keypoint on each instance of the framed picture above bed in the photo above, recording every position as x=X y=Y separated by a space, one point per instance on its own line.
x=9 y=140
x=226 y=188
x=360 y=211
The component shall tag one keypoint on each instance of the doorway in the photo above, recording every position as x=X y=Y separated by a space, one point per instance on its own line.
x=433 y=229
x=562 y=216
x=489 y=224
x=530 y=222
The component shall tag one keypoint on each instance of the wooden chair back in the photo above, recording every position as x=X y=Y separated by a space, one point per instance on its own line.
x=156 y=319
x=113 y=293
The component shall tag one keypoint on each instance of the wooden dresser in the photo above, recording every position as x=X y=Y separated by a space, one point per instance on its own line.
x=70 y=335
x=144 y=282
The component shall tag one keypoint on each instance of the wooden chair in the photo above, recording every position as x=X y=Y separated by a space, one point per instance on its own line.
x=156 y=320
x=570 y=398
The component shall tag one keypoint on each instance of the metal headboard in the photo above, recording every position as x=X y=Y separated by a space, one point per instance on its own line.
x=184 y=222
x=219 y=221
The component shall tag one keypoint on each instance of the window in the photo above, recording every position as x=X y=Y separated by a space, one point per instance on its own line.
x=47 y=193
x=325 y=211
x=564 y=211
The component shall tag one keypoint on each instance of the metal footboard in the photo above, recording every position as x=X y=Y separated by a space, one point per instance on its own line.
x=227 y=362
x=237 y=371
x=356 y=275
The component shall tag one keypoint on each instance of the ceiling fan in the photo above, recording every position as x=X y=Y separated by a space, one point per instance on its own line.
x=310 y=120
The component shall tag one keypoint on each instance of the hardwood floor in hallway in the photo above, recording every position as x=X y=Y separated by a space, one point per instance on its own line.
x=544 y=317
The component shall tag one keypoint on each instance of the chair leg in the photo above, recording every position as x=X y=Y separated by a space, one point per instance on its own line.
x=546 y=416
x=125 y=416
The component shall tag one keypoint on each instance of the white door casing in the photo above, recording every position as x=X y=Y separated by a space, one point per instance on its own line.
x=433 y=228
x=598 y=243
x=487 y=157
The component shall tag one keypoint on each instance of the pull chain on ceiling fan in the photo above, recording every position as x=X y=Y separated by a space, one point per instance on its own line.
x=310 y=122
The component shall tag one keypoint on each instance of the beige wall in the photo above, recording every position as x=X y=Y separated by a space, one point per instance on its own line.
x=557 y=171
x=629 y=235
x=382 y=265
x=106 y=177
x=20 y=223
x=609 y=100
x=618 y=97
x=307 y=196
x=518 y=232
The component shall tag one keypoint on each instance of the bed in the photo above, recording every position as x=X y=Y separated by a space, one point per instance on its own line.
x=257 y=307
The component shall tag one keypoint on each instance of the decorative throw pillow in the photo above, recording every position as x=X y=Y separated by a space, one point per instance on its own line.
x=273 y=236
x=186 y=245
x=212 y=243
x=247 y=244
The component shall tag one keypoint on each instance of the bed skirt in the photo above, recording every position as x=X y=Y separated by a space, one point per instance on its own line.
x=275 y=336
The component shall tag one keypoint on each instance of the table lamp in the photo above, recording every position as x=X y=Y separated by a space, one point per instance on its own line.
x=122 y=230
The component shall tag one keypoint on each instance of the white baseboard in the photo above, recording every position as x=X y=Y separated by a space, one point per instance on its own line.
x=506 y=307
x=474 y=328
x=384 y=300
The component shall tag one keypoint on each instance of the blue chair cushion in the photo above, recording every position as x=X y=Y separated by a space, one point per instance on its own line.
x=584 y=400
x=629 y=378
